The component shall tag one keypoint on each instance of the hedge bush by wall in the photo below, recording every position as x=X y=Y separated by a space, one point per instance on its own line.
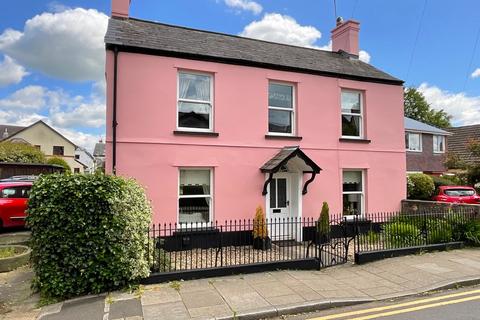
x=420 y=186
x=88 y=233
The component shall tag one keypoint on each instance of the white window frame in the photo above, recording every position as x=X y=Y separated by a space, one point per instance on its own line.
x=361 y=131
x=361 y=193
x=420 y=137
x=210 y=196
x=210 y=124
x=292 y=111
x=434 y=144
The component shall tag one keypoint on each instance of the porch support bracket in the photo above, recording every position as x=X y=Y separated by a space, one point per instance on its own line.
x=305 y=186
x=267 y=182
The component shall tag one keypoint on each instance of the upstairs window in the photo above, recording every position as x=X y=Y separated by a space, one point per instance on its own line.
x=58 y=151
x=413 y=141
x=439 y=144
x=195 y=108
x=352 y=114
x=281 y=109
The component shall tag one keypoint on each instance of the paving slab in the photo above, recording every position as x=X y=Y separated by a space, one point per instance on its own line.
x=166 y=311
x=80 y=309
x=125 y=308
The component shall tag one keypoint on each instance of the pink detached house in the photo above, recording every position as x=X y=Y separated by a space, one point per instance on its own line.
x=214 y=125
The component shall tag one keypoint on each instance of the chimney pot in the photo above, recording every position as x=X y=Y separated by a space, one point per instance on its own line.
x=345 y=36
x=120 y=8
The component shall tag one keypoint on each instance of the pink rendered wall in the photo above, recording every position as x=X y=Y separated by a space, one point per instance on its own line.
x=148 y=150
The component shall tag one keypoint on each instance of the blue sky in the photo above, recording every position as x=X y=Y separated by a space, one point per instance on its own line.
x=51 y=67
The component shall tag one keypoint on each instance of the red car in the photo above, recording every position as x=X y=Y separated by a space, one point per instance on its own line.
x=13 y=203
x=457 y=194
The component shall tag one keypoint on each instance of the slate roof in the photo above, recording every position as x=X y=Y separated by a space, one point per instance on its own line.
x=136 y=35
x=281 y=158
x=99 y=149
x=417 y=126
x=457 y=143
x=10 y=129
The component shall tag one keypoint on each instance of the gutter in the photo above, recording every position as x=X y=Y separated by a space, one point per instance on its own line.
x=114 y=112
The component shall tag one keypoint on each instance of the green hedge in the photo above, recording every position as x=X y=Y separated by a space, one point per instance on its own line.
x=20 y=152
x=89 y=233
x=420 y=186
x=60 y=162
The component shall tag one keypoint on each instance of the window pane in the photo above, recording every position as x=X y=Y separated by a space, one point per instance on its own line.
x=282 y=193
x=280 y=95
x=352 y=181
x=351 y=126
x=194 y=210
x=58 y=150
x=351 y=102
x=438 y=143
x=273 y=193
x=16 y=192
x=194 y=115
x=194 y=182
x=413 y=141
x=279 y=121
x=352 y=204
x=194 y=86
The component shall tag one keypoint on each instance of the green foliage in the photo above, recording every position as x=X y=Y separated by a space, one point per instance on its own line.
x=472 y=232
x=20 y=152
x=420 y=186
x=401 y=234
x=323 y=223
x=454 y=161
x=60 y=162
x=259 y=224
x=159 y=257
x=473 y=175
x=417 y=107
x=438 y=231
x=89 y=233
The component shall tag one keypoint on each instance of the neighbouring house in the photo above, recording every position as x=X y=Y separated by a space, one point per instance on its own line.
x=85 y=158
x=214 y=125
x=426 y=146
x=458 y=143
x=99 y=155
x=45 y=138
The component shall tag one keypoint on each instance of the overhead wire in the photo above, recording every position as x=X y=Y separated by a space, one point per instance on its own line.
x=416 y=40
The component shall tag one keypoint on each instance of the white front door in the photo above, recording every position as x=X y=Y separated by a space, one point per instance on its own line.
x=280 y=208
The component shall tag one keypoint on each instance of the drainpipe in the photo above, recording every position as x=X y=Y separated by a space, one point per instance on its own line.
x=114 y=112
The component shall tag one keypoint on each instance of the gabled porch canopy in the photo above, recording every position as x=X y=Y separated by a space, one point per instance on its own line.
x=290 y=159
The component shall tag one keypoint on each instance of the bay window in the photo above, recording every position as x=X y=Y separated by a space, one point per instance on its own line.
x=352 y=114
x=194 y=105
x=353 y=192
x=281 y=109
x=195 y=196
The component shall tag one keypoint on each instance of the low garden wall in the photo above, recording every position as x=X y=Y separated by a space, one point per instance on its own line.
x=421 y=206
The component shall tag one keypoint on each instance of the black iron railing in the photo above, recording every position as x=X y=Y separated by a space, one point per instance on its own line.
x=394 y=230
x=182 y=247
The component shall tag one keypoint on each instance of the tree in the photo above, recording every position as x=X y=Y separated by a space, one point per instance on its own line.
x=20 y=152
x=417 y=107
x=60 y=162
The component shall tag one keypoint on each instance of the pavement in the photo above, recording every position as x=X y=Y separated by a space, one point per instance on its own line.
x=271 y=294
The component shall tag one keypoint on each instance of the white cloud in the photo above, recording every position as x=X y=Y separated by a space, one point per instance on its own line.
x=283 y=29
x=80 y=138
x=464 y=109
x=27 y=98
x=11 y=72
x=476 y=73
x=67 y=45
x=246 y=5
x=280 y=28
x=85 y=115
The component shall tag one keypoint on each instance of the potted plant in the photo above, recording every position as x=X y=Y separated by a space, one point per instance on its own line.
x=261 y=241
x=323 y=224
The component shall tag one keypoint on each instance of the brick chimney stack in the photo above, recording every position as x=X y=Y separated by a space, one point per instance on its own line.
x=120 y=8
x=345 y=36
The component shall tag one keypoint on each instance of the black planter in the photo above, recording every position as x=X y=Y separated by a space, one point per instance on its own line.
x=321 y=238
x=262 y=244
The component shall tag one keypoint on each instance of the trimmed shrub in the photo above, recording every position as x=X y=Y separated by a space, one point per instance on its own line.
x=20 y=152
x=401 y=234
x=89 y=233
x=441 y=181
x=60 y=162
x=323 y=223
x=472 y=232
x=438 y=231
x=259 y=224
x=420 y=186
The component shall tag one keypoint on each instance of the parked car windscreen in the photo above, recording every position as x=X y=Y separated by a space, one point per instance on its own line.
x=16 y=192
x=459 y=192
